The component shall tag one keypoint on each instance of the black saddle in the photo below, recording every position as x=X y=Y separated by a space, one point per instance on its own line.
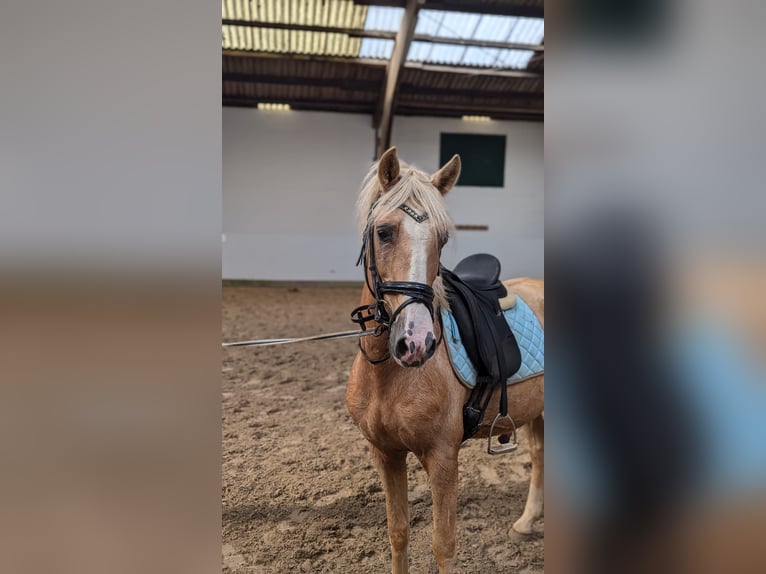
x=473 y=289
x=481 y=272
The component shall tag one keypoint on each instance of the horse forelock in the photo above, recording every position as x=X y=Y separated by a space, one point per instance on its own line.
x=414 y=188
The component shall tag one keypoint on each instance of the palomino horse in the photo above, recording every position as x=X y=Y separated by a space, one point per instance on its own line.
x=402 y=392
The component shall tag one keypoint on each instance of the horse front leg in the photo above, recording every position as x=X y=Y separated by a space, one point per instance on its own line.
x=392 y=468
x=534 y=507
x=442 y=469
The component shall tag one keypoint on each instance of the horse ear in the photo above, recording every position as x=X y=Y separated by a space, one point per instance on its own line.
x=445 y=178
x=388 y=168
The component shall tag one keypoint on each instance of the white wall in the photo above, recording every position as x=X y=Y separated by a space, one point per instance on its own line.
x=290 y=180
x=514 y=213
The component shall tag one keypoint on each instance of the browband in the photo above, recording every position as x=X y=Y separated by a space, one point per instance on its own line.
x=420 y=218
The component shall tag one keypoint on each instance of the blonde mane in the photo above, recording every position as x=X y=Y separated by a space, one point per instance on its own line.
x=414 y=188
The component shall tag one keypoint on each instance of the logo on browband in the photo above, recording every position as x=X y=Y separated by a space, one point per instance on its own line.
x=420 y=218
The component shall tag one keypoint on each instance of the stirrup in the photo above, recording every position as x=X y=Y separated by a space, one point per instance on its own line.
x=502 y=448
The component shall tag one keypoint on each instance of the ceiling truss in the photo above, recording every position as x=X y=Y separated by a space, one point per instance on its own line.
x=383 y=88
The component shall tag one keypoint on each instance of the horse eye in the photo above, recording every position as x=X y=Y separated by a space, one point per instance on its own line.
x=385 y=234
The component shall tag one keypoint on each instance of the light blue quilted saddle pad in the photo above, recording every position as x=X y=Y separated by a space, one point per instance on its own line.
x=525 y=327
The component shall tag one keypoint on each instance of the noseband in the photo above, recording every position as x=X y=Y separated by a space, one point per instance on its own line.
x=380 y=311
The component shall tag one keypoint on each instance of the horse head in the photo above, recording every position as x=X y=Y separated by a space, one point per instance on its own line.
x=407 y=227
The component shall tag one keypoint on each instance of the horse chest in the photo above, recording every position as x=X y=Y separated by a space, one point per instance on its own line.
x=399 y=420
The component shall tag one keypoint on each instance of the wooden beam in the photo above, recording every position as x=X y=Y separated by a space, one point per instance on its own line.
x=304 y=57
x=478 y=43
x=356 y=32
x=350 y=84
x=360 y=33
x=346 y=108
x=496 y=115
x=406 y=109
x=466 y=70
x=465 y=109
x=385 y=109
x=494 y=72
x=496 y=8
x=417 y=90
x=353 y=84
x=324 y=105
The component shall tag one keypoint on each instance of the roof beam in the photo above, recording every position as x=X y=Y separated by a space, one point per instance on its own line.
x=432 y=112
x=406 y=109
x=478 y=43
x=298 y=104
x=385 y=110
x=382 y=35
x=479 y=108
x=304 y=57
x=516 y=112
x=496 y=8
x=466 y=70
x=493 y=72
x=353 y=84
x=356 y=32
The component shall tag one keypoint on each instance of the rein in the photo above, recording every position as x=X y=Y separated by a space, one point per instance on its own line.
x=323 y=337
x=380 y=311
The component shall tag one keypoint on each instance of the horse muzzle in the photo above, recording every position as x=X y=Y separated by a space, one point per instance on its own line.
x=412 y=340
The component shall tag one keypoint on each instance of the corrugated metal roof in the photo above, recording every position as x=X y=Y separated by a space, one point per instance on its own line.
x=376 y=48
x=296 y=67
x=342 y=13
x=290 y=41
x=468 y=56
x=475 y=27
x=346 y=14
x=336 y=13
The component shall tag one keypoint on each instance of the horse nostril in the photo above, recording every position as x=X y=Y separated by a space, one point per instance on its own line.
x=401 y=348
x=430 y=344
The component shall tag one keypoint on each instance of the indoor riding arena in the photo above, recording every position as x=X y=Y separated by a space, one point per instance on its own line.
x=314 y=93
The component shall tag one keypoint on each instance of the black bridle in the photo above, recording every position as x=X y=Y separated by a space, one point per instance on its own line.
x=380 y=311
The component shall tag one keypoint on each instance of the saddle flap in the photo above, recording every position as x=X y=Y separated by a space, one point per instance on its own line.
x=486 y=336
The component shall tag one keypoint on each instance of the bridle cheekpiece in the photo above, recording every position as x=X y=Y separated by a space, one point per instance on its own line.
x=380 y=312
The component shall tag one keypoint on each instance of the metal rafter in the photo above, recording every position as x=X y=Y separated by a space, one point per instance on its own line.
x=408 y=108
x=370 y=85
x=499 y=8
x=361 y=33
x=465 y=70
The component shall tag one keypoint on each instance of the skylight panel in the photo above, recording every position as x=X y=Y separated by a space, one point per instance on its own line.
x=528 y=31
x=376 y=48
x=447 y=24
x=419 y=51
x=429 y=22
x=518 y=59
x=446 y=54
x=484 y=57
x=383 y=18
x=494 y=28
x=458 y=25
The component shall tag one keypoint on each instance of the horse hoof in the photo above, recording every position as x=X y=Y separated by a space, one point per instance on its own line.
x=522 y=528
